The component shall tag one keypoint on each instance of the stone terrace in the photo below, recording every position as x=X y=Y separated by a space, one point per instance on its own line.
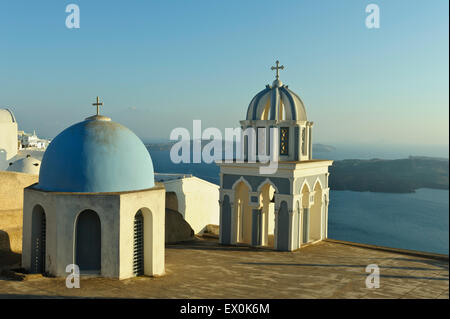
x=204 y=269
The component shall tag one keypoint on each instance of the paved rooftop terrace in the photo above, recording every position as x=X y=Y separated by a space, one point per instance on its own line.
x=205 y=269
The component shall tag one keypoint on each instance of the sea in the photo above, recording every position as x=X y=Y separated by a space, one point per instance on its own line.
x=416 y=221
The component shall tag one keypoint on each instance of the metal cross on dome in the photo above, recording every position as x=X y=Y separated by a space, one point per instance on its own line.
x=98 y=104
x=277 y=68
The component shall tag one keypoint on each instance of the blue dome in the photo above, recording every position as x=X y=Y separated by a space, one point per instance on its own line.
x=96 y=155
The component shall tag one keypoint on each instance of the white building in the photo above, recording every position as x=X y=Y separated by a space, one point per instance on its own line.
x=289 y=208
x=27 y=140
x=196 y=199
x=27 y=165
x=96 y=205
x=8 y=137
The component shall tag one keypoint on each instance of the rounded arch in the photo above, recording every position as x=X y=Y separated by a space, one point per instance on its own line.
x=88 y=243
x=138 y=244
x=38 y=239
x=145 y=217
x=38 y=207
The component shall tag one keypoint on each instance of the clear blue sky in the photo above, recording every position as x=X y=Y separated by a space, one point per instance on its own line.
x=160 y=64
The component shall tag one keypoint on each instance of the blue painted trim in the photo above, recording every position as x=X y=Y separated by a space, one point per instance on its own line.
x=291 y=102
x=255 y=105
x=274 y=102
x=282 y=184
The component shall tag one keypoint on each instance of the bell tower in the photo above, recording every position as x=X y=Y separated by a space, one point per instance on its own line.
x=277 y=107
x=287 y=207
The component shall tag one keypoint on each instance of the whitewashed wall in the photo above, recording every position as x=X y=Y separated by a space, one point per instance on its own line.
x=198 y=201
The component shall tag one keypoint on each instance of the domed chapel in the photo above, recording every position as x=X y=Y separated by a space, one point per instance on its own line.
x=8 y=137
x=284 y=209
x=96 y=205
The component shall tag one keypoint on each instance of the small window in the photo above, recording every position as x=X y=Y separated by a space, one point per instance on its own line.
x=284 y=141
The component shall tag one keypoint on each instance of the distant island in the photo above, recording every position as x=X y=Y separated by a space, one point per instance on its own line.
x=374 y=175
x=390 y=176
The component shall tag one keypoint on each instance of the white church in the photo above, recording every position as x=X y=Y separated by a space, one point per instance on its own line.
x=285 y=210
x=96 y=205
x=99 y=205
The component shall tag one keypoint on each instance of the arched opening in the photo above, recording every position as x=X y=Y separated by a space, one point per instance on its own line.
x=305 y=219
x=316 y=214
x=38 y=238
x=243 y=214
x=138 y=244
x=172 y=201
x=225 y=222
x=88 y=242
x=267 y=195
x=145 y=217
x=283 y=227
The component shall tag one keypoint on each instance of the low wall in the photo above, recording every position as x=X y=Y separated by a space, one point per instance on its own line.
x=11 y=205
x=11 y=189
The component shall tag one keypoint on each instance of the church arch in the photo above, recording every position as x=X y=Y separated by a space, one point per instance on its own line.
x=138 y=244
x=225 y=222
x=264 y=184
x=88 y=242
x=283 y=227
x=38 y=239
x=317 y=181
x=316 y=214
x=267 y=199
x=243 y=180
x=304 y=188
x=242 y=213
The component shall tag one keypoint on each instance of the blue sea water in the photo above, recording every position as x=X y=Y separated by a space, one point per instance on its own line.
x=417 y=221
x=163 y=164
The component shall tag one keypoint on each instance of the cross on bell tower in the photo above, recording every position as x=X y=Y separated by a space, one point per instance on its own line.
x=98 y=104
x=277 y=68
